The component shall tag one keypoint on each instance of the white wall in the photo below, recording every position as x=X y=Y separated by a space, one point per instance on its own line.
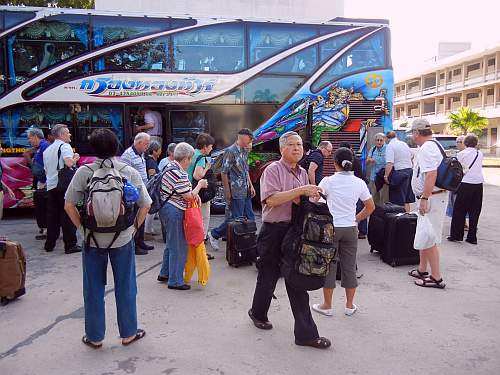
x=296 y=10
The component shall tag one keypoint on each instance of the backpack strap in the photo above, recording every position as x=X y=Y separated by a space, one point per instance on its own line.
x=443 y=153
x=477 y=154
x=59 y=158
x=373 y=150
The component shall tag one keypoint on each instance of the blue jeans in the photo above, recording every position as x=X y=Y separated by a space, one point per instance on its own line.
x=95 y=264
x=239 y=208
x=174 y=256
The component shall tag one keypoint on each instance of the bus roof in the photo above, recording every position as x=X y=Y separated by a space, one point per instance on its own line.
x=56 y=11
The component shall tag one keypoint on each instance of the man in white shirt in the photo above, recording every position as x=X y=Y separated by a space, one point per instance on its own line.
x=152 y=125
x=58 y=154
x=469 y=198
x=431 y=202
x=398 y=171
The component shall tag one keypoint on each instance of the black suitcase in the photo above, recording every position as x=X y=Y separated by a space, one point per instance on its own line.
x=241 y=247
x=400 y=233
x=40 y=202
x=376 y=225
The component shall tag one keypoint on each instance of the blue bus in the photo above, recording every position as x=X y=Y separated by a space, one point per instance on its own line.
x=92 y=69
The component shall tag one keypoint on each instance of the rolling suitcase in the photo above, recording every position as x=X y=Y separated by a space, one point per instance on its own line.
x=400 y=233
x=40 y=202
x=376 y=225
x=12 y=271
x=241 y=247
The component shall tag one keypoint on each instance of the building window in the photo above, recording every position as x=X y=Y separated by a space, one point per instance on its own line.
x=413 y=85
x=218 y=48
x=457 y=72
x=368 y=54
x=149 y=56
x=455 y=99
x=441 y=101
x=490 y=92
x=267 y=40
x=441 y=76
x=45 y=43
x=491 y=62
x=472 y=95
x=473 y=67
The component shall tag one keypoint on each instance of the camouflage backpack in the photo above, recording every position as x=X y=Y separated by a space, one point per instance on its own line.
x=308 y=247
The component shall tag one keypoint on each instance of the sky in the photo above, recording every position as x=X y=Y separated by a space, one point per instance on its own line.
x=418 y=26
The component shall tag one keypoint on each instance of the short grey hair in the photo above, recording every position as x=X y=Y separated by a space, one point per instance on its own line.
x=171 y=148
x=285 y=136
x=325 y=144
x=471 y=140
x=153 y=146
x=183 y=151
x=380 y=135
x=141 y=137
x=57 y=129
x=37 y=132
x=461 y=138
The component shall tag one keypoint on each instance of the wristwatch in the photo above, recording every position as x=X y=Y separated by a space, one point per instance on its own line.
x=424 y=198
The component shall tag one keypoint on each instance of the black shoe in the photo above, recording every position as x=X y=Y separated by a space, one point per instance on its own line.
x=74 y=249
x=472 y=242
x=451 y=239
x=144 y=246
x=48 y=250
x=162 y=279
x=361 y=236
x=224 y=239
x=261 y=324
x=210 y=256
x=41 y=237
x=180 y=287
x=139 y=251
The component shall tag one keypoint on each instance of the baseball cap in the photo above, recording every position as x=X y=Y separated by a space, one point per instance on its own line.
x=420 y=124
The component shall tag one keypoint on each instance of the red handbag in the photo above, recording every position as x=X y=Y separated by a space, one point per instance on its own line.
x=193 y=224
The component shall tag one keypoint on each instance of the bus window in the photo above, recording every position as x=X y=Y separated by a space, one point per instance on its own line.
x=110 y=29
x=330 y=47
x=186 y=125
x=61 y=76
x=91 y=117
x=2 y=72
x=303 y=62
x=267 y=39
x=217 y=48
x=44 y=43
x=14 y=18
x=269 y=89
x=151 y=55
x=369 y=54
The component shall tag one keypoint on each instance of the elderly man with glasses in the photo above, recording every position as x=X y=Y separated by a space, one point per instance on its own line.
x=376 y=159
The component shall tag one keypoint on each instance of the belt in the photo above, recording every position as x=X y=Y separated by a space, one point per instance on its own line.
x=434 y=193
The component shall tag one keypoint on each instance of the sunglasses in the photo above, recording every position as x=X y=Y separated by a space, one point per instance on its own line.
x=459 y=141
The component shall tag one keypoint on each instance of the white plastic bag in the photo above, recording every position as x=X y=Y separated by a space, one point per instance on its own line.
x=425 y=237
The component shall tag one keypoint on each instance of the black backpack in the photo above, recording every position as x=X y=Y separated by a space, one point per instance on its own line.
x=208 y=193
x=307 y=248
x=449 y=173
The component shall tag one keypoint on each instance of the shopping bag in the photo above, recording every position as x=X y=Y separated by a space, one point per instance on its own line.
x=193 y=224
x=197 y=259
x=425 y=236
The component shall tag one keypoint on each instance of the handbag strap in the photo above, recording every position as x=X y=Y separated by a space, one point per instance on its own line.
x=477 y=154
x=59 y=157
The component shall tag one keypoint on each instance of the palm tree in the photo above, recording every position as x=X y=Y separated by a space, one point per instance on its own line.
x=465 y=120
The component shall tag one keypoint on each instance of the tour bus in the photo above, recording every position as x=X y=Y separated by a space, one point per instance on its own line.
x=95 y=69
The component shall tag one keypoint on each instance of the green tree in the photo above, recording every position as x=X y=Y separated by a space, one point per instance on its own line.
x=465 y=120
x=78 y=4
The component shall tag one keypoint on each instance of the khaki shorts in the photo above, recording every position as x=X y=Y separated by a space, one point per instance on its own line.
x=437 y=213
x=346 y=242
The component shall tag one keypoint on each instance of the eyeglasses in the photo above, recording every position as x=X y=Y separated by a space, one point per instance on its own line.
x=459 y=142
x=379 y=140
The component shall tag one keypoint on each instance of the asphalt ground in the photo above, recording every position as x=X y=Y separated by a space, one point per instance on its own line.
x=399 y=329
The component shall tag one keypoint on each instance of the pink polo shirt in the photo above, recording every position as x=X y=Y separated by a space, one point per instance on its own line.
x=279 y=177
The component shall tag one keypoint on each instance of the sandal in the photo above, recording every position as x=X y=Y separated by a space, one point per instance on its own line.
x=318 y=343
x=261 y=324
x=430 y=282
x=417 y=274
x=139 y=335
x=89 y=343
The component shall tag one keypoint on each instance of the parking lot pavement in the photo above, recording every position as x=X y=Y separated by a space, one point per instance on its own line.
x=399 y=328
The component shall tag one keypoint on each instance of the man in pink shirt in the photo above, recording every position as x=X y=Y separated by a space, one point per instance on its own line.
x=283 y=183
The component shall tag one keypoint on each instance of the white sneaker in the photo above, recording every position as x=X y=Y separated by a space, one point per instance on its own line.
x=349 y=311
x=327 y=312
x=213 y=242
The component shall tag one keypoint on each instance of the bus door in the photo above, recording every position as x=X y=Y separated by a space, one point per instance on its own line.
x=186 y=124
x=135 y=114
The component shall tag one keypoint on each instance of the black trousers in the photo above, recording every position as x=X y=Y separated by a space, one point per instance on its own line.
x=57 y=219
x=139 y=235
x=469 y=201
x=400 y=191
x=269 y=249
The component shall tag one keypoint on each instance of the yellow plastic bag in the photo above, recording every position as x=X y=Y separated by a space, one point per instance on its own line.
x=197 y=259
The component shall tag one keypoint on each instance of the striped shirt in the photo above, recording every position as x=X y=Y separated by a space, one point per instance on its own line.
x=131 y=157
x=177 y=181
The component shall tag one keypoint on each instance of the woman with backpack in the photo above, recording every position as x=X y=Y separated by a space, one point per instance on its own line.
x=342 y=191
x=176 y=192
